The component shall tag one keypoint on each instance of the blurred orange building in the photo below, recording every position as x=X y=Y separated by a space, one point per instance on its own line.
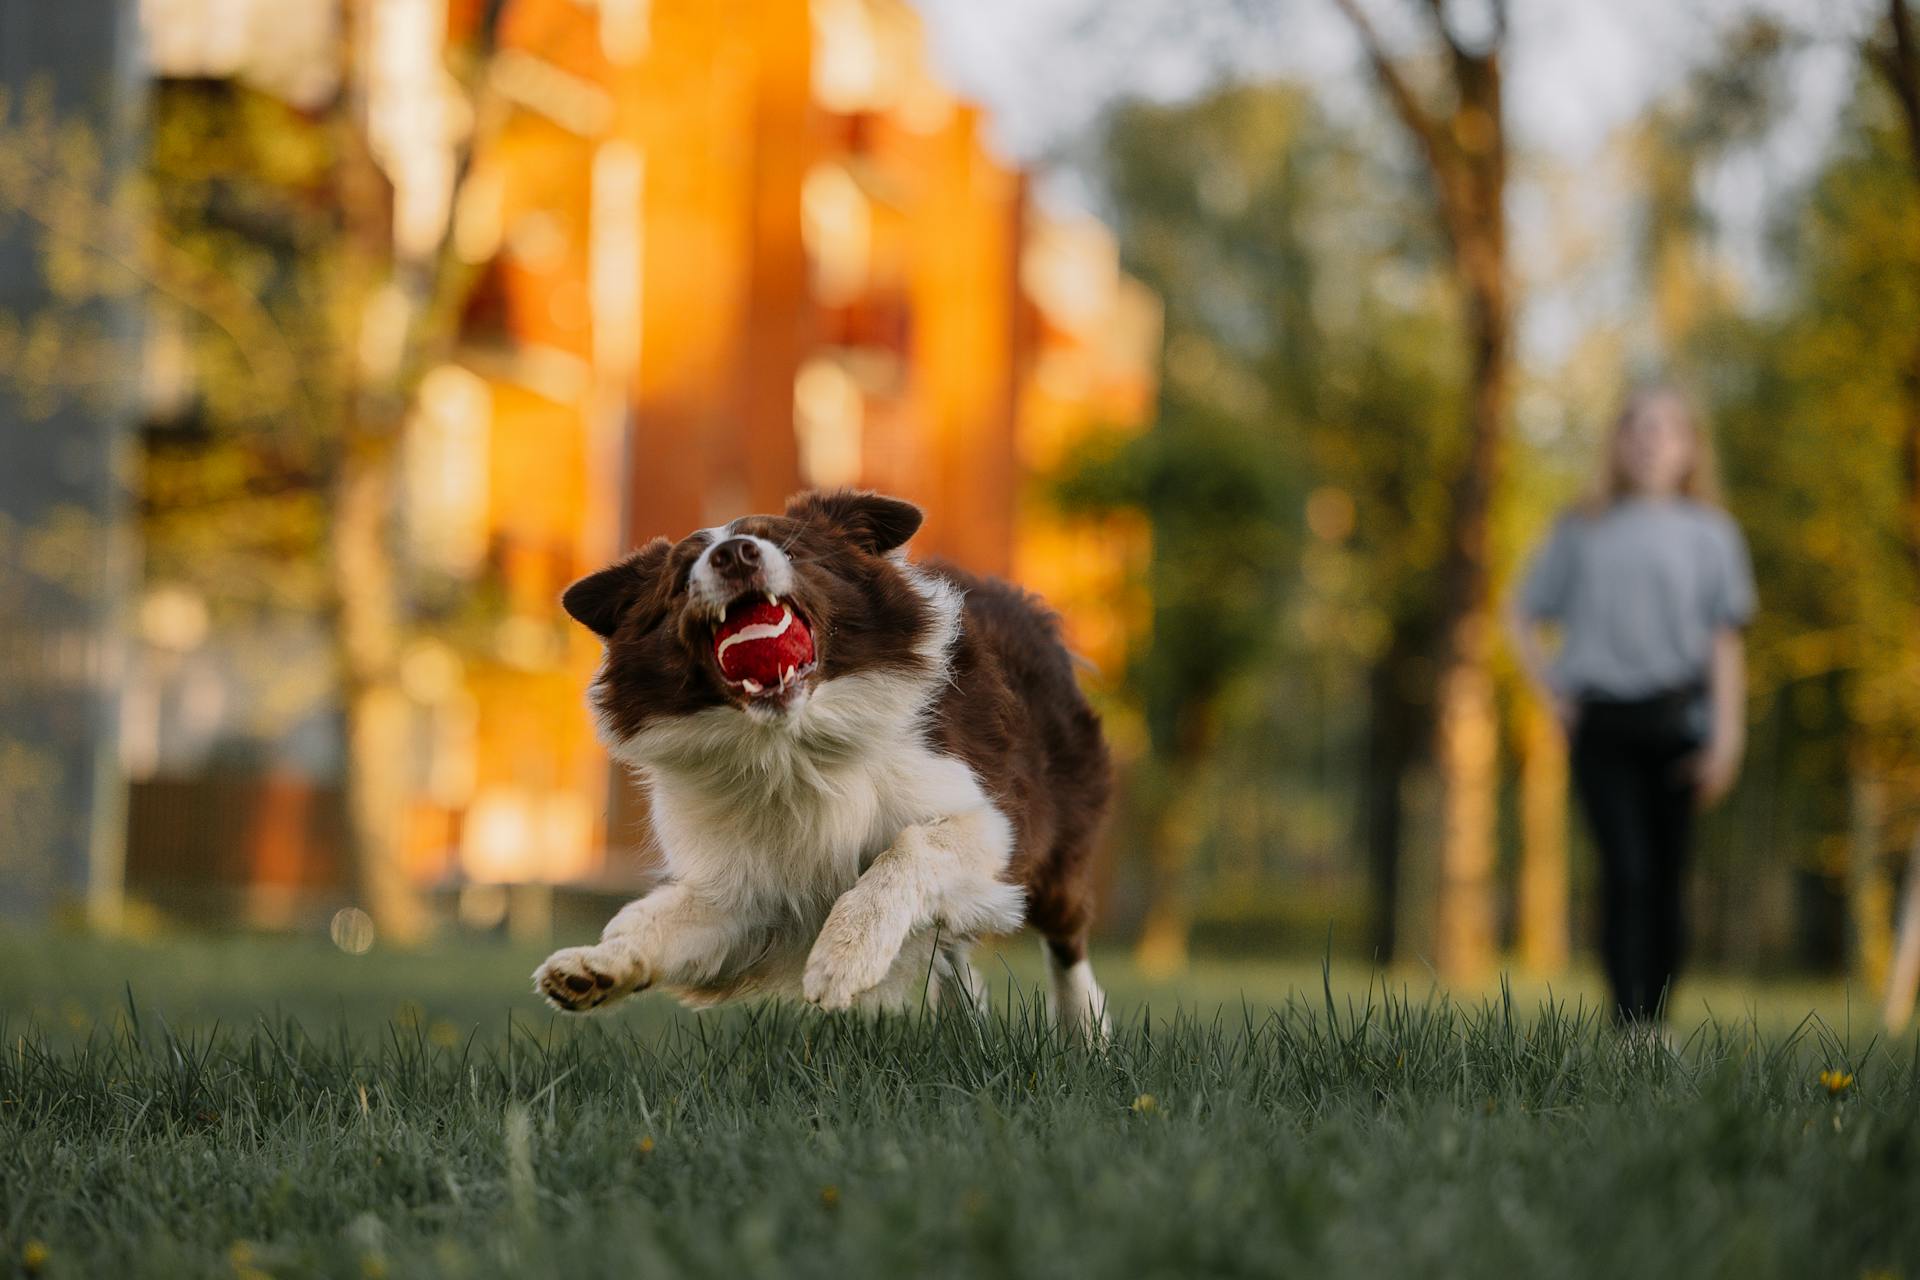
x=729 y=252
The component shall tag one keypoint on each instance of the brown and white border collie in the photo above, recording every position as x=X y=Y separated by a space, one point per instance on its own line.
x=857 y=766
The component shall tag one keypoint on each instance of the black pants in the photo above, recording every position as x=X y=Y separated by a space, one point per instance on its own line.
x=1632 y=765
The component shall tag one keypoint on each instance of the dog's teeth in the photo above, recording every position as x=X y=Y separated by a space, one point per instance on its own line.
x=772 y=598
x=788 y=676
x=753 y=686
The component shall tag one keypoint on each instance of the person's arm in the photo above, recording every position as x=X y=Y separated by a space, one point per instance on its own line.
x=1524 y=630
x=1540 y=598
x=1732 y=609
x=1719 y=762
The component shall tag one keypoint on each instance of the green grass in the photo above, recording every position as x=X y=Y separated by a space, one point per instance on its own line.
x=388 y=1118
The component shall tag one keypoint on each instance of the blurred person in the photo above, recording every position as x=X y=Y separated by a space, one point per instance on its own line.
x=1650 y=587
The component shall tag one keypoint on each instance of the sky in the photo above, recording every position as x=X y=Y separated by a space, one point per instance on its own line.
x=1578 y=72
x=1579 y=68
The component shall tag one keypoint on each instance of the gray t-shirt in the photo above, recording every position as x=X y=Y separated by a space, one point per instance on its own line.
x=1639 y=591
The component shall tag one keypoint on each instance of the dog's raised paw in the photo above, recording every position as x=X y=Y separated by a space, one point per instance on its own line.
x=856 y=947
x=833 y=983
x=578 y=979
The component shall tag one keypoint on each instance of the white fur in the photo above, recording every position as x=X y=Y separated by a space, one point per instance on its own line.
x=704 y=581
x=1079 y=1005
x=955 y=977
x=823 y=850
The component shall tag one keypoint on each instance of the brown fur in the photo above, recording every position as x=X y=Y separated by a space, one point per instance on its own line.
x=1015 y=714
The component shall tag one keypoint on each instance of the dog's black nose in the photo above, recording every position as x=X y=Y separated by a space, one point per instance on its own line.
x=735 y=556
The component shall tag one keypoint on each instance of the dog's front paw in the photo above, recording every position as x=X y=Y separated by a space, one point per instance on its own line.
x=577 y=979
x=856 y=947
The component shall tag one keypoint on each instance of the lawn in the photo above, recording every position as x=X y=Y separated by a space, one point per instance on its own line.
x=278 y=1108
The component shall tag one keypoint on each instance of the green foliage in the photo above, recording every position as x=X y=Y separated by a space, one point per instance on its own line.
x=254 y=345
x=1811 y=405
x=1307 y=350
x=1214 y=489
x=1360 y=1137
x=226 y=239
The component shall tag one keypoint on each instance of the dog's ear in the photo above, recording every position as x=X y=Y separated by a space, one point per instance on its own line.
x=872 y=520
x=600 y=600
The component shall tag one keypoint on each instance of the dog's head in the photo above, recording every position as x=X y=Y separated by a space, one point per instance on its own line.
x=756 y=615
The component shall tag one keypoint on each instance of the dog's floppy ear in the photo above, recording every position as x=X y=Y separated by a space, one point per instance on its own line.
x=872 y=520
x=600 y=600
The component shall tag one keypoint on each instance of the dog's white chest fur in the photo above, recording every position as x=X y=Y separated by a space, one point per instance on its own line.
x=770 y=818
x=787 y=816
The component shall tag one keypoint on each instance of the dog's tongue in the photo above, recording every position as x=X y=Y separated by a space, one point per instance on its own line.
x=760 y=642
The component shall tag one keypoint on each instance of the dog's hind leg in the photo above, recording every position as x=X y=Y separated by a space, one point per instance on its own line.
x=1062 y=910
x=1076 y=1001
x=960 y=984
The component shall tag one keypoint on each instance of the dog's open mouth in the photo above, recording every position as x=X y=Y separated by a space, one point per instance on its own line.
x=763 y=646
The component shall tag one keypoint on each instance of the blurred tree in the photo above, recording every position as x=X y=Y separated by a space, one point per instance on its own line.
x=1215 y=487
x=1896 y=56
x=1459 y=129
x=1897 y=59
x=304 y=297
x=1306 y=376
x=1730 y=103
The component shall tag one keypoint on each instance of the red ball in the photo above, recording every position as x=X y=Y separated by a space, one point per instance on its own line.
x=760 y=643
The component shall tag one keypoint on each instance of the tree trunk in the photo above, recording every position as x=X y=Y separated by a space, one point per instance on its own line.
x=1399 y=720
x=1467 y=923
x=1541 y=914
x=1162 y=950
x=1463 y=142
x=374 y=708
x=1901 y=65
x=1384 y=816
x=1869 y=889
x=1467 y=742
x=1178 y=820
x=372 y=406
x=1903 y=984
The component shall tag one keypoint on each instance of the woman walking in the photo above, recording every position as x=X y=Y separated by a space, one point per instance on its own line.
x=1649 y=586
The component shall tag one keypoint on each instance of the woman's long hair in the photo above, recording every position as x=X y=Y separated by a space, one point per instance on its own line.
x=1701 y=483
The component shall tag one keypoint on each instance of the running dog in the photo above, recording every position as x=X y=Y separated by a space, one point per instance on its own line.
x=857 y=765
